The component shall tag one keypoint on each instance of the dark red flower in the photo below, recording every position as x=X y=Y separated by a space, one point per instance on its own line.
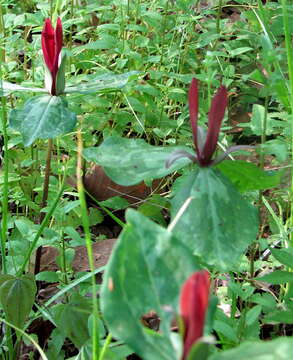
x=205 y=147
x=194 y=300
x=52 y=41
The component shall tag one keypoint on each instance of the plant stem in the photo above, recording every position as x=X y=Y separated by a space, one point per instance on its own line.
x=219 y=17
x=290 y=73
x=44 y=201
x=88 y=241
x=2 y=31
x=41 y=228
x=5 y=182
x=264 y=133
x=163 y=31
x=105 y=346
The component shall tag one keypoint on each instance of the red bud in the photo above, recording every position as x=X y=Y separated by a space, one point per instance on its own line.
x=194 y=299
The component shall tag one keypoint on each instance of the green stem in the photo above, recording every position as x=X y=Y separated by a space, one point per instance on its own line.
x=5 y=182
x=44 y=201
x=107 y=211
x=41 y=229
x=289 y=51
x=105 y=346
x=218 y=25
x=2 y=31
x=163 y=32
x=264 y=133
x=88 y=241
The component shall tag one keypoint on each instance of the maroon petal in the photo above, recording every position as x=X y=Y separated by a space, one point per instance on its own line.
x=58 y=43
x=48 y=44
x=193 y=110
x=194 y=299
x=216 y=115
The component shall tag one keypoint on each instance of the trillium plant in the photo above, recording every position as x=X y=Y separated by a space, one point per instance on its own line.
x=48 y=116
x=52 y=41
x=210 y=234
x=205 y=142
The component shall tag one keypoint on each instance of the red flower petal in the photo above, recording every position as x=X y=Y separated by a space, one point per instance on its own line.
x=216 y=115
x=194 y=300
x=58 y=43
x=48 y=44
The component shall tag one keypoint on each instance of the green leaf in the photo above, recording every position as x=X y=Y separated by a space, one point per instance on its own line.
x=142 y=276
x=284 y=317
x=115 y=202
x=42 y=117
x=253 y=314
x=257 y=119
x=60 y=78
x=72 y=319
x=199 y=350
x=103 y=83
x=225 y=329
x=217 y=224
x=277 y=277
x=279 y=349
x=48 y=276
x=17 y=296
x=284 y=256
x=239 y=51
x=10 y=87
x=247 y=176
x=130 y=161
x=5 y=277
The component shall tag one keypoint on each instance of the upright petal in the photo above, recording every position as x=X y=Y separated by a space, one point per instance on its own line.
x=58 y=43
x=48 y=44
x=216 y=115
x=193 y=110
x=194 y=299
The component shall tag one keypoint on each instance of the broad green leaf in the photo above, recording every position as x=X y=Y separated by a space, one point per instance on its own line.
x=284 y=256
x=257 y=119
x=72 y=319
x=102 y=83
x=5 y=277
x=130 y=161
x=216 y=224
x=247 y=176
x=225 y=329
x=10 y=87
x=199 y=350
x=279 y=349
x=284 y=317
x=48 y=276
x=142 y=276
x=17 y=296
x=115 y=202
x=43 y=117
x=253 y=314
x=277 y=277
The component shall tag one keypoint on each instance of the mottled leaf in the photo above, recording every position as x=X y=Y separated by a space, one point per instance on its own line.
x=130 y=161
x=42 y=117
x=103 y=83
x=143 y=276
x=217 y=224
x=278 y=349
